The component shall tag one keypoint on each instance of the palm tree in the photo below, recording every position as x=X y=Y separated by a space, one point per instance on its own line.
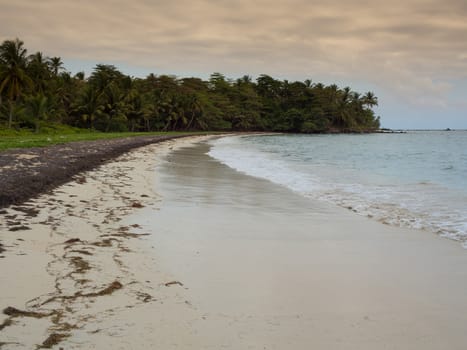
x=103 y=76
x=56 y=65
x=173 y=112
x=245 y=80
x=89 y=107
x=13 y=77
x=80 y=76
x=356 y=97
x=133 y=101
x=151 y=112
x=115 y=106
x=38 y=70
x=369 y=99
x=194 y=109
x=39 y=108
x=346 y=94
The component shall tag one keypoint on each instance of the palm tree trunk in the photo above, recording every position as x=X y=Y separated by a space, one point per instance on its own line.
x=191 y=121
x=10 y=115
x=166 y=127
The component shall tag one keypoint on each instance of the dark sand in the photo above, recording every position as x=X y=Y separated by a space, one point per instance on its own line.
x=25 y=173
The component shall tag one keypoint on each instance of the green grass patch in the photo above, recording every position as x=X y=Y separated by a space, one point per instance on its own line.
x=26 y=139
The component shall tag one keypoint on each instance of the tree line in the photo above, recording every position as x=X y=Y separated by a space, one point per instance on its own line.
x=36 y=90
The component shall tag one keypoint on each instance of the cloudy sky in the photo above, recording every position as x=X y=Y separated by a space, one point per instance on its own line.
x=411 y=53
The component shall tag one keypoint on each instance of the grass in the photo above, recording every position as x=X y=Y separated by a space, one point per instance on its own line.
x=27 y=139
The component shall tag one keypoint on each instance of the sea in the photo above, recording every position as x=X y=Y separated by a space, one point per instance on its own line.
x=416 y=179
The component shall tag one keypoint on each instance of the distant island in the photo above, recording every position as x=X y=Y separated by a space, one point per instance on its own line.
x=36 y=92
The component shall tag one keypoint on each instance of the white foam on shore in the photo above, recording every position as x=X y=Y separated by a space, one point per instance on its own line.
x=424 y=205
x=266 y=268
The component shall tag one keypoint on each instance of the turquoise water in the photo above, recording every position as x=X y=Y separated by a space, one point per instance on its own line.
x=417 y=179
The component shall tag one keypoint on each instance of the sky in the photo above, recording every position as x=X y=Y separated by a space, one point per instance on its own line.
x=411 y=53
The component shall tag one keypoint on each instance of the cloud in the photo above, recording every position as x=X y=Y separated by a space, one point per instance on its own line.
x=410 y=47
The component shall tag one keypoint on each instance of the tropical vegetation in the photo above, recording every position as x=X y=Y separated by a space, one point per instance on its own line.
x=36 y=91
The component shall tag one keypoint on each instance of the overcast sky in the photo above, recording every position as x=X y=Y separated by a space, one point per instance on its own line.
x=411 y=53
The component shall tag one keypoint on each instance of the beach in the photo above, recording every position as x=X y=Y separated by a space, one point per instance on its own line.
x=68 y=261
x=166 y=248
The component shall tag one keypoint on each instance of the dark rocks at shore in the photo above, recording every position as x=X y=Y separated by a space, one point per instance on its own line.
x=390 y=131
x=26 y=173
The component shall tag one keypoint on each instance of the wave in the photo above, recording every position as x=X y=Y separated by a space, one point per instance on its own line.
x=420 y=205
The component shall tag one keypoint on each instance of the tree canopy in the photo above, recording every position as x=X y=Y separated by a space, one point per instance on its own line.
x=36 y=90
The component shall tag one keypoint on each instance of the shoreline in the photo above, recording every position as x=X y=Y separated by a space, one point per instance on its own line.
x=268 y=268
x=99 y=264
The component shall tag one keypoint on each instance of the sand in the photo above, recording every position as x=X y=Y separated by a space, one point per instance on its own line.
x=216 y=259
x=73 y=273
x=28 y=172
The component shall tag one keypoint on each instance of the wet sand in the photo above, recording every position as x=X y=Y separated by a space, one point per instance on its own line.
x=267 y=269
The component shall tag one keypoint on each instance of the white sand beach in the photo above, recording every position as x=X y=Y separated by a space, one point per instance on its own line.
x=166 y=248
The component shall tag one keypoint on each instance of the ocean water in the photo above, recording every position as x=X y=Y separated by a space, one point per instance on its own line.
x=417 y=179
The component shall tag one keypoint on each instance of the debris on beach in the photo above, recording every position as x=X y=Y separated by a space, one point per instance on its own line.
x=105 y=242
x=171 y=283
x=19 y=228
x=72 y=240
x=52 y=340
x=28 y=211
x=81 y=251
x=14 y=312
x=80 y=264
x=86 y=264
x=137 y=204
x=81 y=180
x=6 y=323
x=144 y=297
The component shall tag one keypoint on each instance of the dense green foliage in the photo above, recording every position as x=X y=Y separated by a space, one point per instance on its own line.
x=36 y=91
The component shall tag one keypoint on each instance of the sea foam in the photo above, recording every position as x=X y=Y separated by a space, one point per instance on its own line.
x=345 y=170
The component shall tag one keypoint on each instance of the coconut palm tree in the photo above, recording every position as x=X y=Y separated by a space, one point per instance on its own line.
x=369 y=99
x=80 y=76
x=194 y=110
x=13 y=76
x=55 y=64
x=38 y=71
x=89 y=107
x=104 y=75
x=115 y=107
x=39 y=109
